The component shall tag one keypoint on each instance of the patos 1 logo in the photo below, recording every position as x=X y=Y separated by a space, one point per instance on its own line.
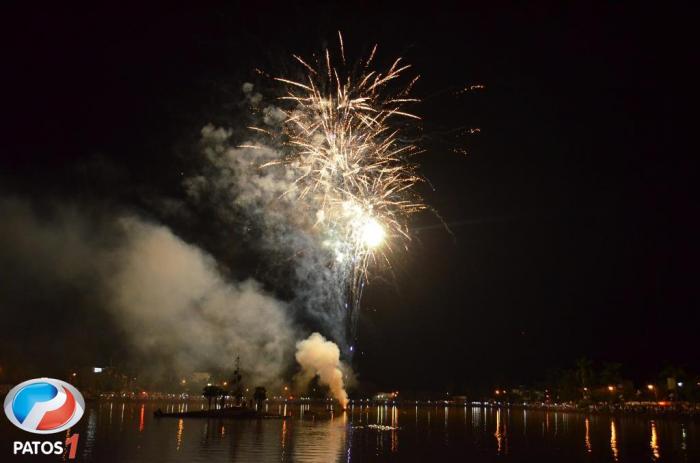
x=44 y=405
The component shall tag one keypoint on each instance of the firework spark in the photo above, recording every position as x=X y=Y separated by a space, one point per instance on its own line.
x=343 y=133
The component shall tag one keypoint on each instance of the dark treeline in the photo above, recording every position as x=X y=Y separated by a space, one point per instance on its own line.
x=592 y=381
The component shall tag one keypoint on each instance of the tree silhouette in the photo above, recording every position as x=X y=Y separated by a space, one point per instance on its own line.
x=611 y=374
x=584 y=372
x=212 y=392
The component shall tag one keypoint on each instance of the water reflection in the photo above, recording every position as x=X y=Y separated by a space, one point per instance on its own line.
x=587 y=439
x=371 y=433
x=283 y=443
x=322 y=442
x=395 y=429
x=613 y=440
x=654 y=442
x=90 y=433
x=141 y=420
x=684 y=436
x=501 y=435
x=476 y=417
x=178 y=436
x=121 y=419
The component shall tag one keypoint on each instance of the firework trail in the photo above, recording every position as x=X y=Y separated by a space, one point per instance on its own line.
x=352 y=173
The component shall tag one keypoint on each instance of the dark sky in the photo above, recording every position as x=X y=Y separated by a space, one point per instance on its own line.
x=574 y=229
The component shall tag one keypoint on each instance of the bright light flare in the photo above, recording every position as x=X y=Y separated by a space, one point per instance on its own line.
x=372 y=233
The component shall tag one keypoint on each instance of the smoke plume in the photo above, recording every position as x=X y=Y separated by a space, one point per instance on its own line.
x=234 y=183
x=169 y=298
x=318 y=356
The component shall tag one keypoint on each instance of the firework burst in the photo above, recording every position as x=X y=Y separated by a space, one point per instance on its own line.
x=352 y=169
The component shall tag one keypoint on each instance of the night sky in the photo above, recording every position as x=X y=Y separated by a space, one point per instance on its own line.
x=573 y=229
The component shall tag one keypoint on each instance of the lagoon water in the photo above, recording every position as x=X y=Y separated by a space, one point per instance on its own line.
x=127 y=432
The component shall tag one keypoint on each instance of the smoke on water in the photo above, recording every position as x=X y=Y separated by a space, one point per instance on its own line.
x=318 y=356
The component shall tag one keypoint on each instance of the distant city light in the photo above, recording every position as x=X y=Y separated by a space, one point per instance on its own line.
x=650 y=387
x=680 y=383
x=97 y=370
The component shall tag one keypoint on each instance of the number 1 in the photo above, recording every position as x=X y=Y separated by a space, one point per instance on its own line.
x=72 y=442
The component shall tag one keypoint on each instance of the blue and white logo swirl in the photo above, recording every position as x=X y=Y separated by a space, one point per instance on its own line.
x=44 y=405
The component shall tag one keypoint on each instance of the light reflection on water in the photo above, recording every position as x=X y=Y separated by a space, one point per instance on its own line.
x=121 y=432
x=654 y=442
x=587 y=439
x=613 y=440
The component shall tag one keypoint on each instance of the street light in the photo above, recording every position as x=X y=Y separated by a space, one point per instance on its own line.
x=611 y=388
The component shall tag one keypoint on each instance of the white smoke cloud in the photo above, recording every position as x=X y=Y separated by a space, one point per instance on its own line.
x=272 y=115
x=172 y=298
x=168 y=296
x=234 y=179
x=318 y=356
x=253 y=98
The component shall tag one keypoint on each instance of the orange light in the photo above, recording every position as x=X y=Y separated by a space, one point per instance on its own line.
x=650 y=387
x=611 y=388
